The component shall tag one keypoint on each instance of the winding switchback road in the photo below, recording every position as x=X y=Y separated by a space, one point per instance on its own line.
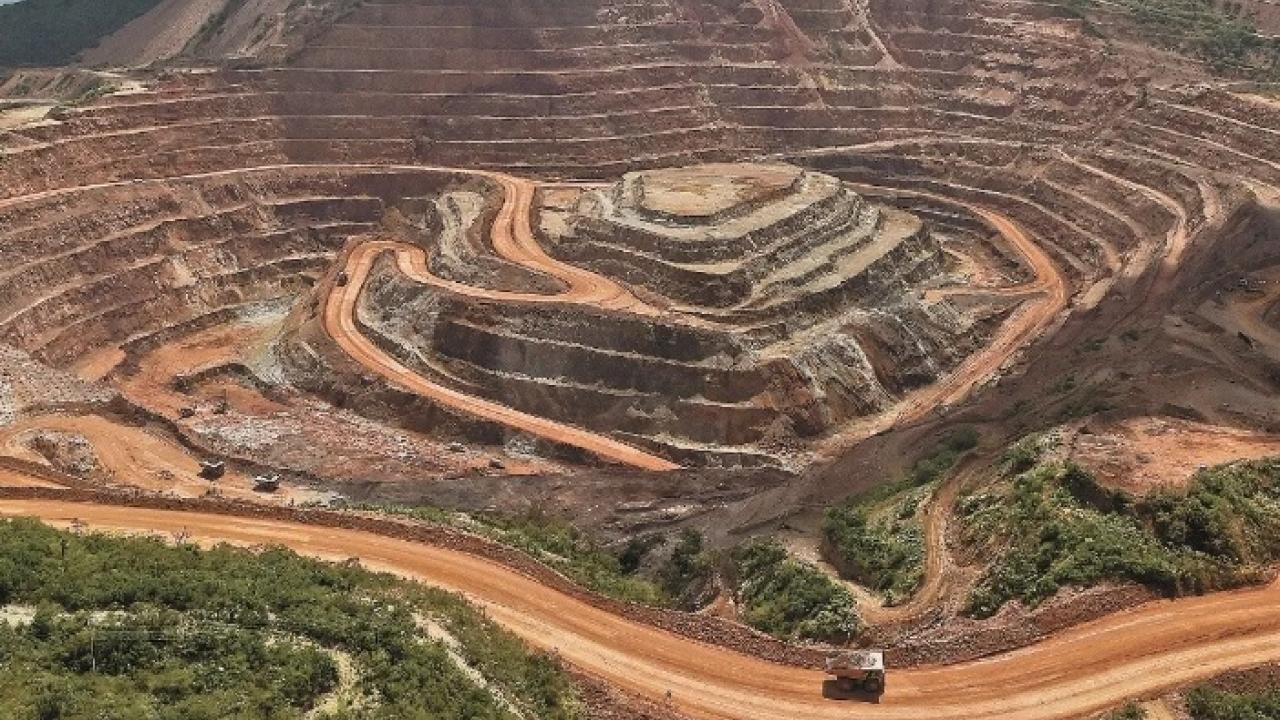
x=512 y=239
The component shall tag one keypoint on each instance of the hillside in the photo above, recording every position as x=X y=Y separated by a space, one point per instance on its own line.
x=55 y=32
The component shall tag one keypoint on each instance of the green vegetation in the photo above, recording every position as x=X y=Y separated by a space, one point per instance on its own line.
x=877 y=539
x=687 y=573
x=137 y=629
x=557 y=544
x=54 y=32
x=567 y=549
x=154 y=663
x=215 y=22
x=1050 y=525
x=933 y=466
x=790 y=599
x=1230 y=513
x=925 y=471
x=884 y=553
x=1212 y=32
x=1207 y=703
x=1024 y=454
x=1128 y=712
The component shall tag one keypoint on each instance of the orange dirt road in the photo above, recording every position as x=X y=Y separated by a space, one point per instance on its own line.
x=1133 y=654
x=513 y=240
x=1026 y=324
x=340 y=323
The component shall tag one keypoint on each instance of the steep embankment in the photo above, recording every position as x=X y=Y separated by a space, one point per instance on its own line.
x=54 y=32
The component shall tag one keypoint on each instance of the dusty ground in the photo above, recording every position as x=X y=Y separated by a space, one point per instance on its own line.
x=159 y=35
x=133 y=457
x=702 y=191
x=1111 y=229
x=21 y=115
x=1141 y=454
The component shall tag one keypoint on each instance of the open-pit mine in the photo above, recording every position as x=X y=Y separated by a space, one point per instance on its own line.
x=271 y=270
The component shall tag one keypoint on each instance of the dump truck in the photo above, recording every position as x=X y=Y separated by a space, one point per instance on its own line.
x=213 y=470
x=266 y=483
x=861 y=670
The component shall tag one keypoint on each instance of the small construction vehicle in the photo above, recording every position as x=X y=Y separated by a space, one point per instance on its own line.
x=266 y=483
x=861 y=670
x=213 y=469
x=342 y=279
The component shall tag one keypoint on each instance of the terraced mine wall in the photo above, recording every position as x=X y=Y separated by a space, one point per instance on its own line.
x=725 y=382
x=146 y=211
x=161 y=254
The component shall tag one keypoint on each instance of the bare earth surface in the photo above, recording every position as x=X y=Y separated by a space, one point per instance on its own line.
x=1141 y=454
x=159 y=35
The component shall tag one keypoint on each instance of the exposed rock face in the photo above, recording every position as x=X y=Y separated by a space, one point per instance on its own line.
x=790 y=306
x=140 y=217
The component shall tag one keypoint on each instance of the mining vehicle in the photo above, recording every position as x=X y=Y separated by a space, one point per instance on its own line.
x=213 y=470
x=266 y=483
x=343 y=279
x=861 y=670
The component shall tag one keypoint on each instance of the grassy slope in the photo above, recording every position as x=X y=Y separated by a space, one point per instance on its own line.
x=790 y=599
x=877 y=539
x=1228 y=42
x=1046 y=525
x=557 y=544
x=136 y=628
x=1208 y=703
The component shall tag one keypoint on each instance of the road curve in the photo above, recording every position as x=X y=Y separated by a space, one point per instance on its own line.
x=937 y=558
x=1133 y=654
x=340 y=324
x=512 y=239
x=1027 y=323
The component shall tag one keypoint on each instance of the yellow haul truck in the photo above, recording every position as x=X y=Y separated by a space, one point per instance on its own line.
x=860 y=670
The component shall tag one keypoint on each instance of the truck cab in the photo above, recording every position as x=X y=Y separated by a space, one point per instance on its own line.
x=861 y=670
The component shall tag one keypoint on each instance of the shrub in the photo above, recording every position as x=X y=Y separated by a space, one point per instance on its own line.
x=1229 y=512
x=687 y=572
x=1206 y=703
x=567 y=549
x=933 y=466
x=559 y=545
x=790 y=599
x=885 y=550
x=1129 y=712
x=1024 y=454
x=886 y=555
x=229 y=633
x=1053 y=526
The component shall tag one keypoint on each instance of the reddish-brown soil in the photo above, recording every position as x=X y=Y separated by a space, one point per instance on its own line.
x=407 y=250
x=1141 y=454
